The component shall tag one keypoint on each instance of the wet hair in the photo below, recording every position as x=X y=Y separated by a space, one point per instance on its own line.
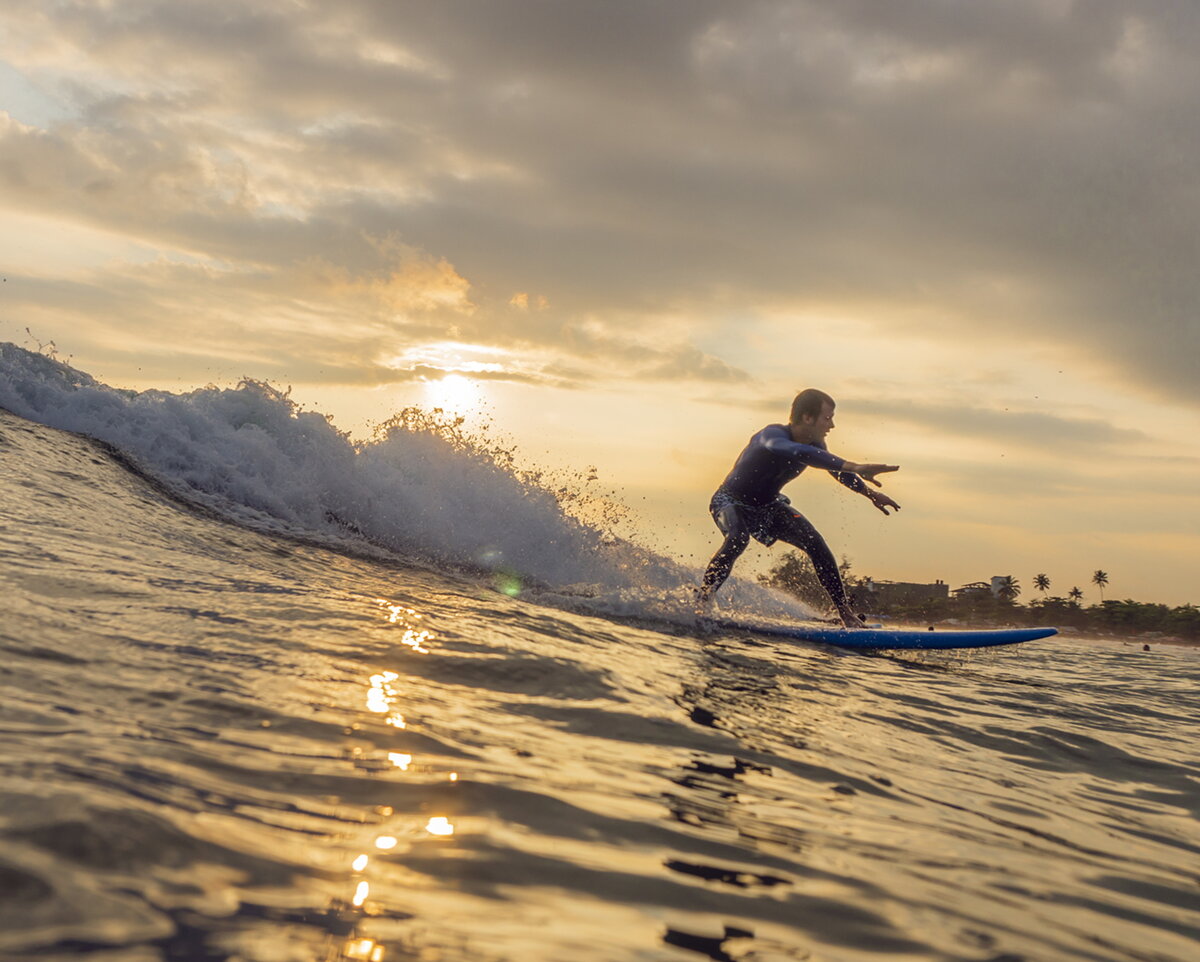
x=808 y=403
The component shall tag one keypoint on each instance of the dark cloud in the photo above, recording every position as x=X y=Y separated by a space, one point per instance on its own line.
x=1002 y=171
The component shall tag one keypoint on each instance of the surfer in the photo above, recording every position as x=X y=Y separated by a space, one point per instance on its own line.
x=748 y=503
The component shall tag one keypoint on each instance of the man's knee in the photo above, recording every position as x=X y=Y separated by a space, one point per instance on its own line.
x=735 y=543
x=729 y=520
x=796 y=530
x=731 y=523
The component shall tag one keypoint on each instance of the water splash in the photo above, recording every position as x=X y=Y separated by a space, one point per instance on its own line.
x=422 y=487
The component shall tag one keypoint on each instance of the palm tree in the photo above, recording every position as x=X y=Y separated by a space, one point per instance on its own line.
x=1075 y=594
x=1008 y=588
x=1100 y=579
x=1041 y=582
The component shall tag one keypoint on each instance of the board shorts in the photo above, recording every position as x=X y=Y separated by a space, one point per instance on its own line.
x=763 y=522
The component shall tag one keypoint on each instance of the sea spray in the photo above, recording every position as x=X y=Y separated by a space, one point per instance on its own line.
x=422 y=487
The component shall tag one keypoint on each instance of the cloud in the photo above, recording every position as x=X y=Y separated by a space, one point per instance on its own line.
x=688 y=363
x=992 y=172
x=426 y=372
x=314 y=321
x=1000 y=427
x=1037 y=429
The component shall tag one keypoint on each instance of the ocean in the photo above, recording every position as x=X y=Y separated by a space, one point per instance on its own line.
x=272 y=695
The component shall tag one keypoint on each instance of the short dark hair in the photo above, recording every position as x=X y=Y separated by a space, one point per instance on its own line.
x=808 y=403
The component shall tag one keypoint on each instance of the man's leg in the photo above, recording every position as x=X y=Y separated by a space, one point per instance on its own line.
x=729 y=520
x=795 y=529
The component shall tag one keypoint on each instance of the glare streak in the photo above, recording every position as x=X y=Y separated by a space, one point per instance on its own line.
x=382 y=697
x=366 y=949
x=414 y=637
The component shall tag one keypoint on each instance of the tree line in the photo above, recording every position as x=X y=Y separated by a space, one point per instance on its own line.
x=795 y=575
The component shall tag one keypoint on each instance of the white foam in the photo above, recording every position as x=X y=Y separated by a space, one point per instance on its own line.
x=420 y=488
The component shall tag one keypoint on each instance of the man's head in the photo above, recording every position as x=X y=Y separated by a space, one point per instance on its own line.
x=812 y=415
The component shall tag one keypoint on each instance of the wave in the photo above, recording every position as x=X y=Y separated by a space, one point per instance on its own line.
x=422 y=487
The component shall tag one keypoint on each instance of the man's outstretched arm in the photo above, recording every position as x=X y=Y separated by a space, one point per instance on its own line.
x=855 y=483
x=816 y=455
x=869 y=471
x=811 y=455
x=881 y=501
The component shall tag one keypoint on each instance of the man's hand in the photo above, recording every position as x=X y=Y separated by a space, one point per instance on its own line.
x=868 y=471
x=882 y=501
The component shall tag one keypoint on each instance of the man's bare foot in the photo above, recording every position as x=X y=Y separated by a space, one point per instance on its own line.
x=702 y=603
x=852 y=620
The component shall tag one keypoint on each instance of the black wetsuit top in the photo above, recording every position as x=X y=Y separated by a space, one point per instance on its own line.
x=772 y=459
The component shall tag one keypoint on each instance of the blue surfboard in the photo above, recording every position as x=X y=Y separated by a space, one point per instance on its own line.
x=883 y=638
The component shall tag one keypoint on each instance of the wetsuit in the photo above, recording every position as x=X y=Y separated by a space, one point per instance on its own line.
x=748 y=505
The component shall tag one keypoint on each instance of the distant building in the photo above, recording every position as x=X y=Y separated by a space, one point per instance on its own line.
x=903 y=592
x=981 y=589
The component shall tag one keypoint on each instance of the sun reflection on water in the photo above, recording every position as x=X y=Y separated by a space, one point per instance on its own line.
x=382 y=698
x=367 y=950
x=414 y=635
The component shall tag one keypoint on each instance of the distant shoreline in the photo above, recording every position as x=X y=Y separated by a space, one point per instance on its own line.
x=1065 y=631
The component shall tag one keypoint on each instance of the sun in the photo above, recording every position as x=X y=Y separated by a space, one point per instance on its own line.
x=454 y=394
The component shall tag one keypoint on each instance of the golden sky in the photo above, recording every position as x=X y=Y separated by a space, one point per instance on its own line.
x=631 y=230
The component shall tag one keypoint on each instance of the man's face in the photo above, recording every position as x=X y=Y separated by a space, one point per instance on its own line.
x=822 y=424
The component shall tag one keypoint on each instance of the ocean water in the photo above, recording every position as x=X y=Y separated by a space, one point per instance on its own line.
x=270 y=695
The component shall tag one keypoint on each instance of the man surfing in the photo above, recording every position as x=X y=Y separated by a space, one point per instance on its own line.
x=748 y=503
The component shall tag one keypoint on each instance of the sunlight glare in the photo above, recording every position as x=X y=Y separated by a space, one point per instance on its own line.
x=382 y=697
x=366 y=949
x=454 y=394
x=414 y=637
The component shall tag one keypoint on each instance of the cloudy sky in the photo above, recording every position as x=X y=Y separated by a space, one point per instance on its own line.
x=630 y=230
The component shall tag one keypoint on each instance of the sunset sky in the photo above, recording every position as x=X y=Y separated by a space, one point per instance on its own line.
x=629 y=232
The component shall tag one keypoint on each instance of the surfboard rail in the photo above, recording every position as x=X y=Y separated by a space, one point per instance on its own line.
x=895 y=638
